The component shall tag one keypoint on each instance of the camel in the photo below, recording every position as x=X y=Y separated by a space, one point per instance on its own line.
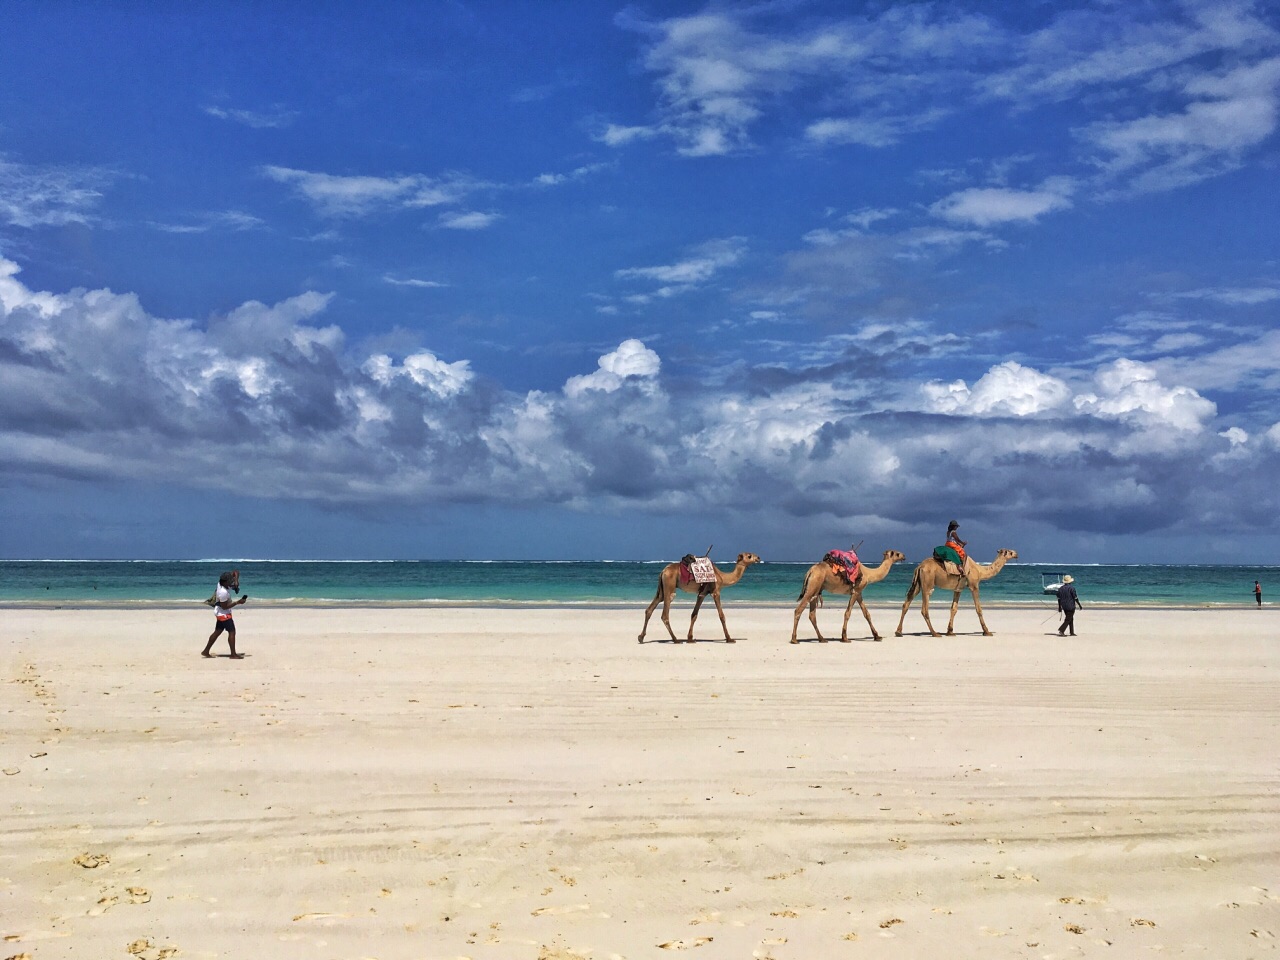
x=820 y=577
x=930 y=574
x=669 y=582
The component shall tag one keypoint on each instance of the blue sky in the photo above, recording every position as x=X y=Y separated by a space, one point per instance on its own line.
x=576 y=280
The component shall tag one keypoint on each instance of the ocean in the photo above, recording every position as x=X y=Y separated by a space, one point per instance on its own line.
x=619 y=583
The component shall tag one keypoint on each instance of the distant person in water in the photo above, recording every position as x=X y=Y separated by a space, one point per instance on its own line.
x=222 y=604
x=1068 y=602
x=1257 y=593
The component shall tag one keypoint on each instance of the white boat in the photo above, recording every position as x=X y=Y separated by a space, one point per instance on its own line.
x=1051 y=582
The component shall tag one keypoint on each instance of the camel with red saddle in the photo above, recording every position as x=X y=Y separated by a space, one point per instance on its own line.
x=823 y=577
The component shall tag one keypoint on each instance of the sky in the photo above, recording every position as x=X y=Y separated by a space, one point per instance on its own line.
x=579 y=280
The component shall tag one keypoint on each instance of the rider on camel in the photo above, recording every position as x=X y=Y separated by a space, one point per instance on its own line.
x=954 y=548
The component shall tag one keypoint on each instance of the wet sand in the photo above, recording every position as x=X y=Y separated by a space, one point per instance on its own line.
x=516 y=783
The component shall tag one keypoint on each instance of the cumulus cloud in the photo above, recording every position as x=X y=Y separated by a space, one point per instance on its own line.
x=1008 y=389
x=631 y=359
x=271 y=401
x=1131 y=391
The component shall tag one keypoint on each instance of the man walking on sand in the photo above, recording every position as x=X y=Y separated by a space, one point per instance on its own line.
x=222 y=604
x=1068 y=601
x=1257 y=593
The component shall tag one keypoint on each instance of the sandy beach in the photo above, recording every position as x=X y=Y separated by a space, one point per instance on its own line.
x=532 y=783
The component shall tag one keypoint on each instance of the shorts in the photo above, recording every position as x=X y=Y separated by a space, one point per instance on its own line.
x=224 y=623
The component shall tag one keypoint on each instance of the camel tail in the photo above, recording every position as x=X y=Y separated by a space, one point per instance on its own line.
x=915 y=586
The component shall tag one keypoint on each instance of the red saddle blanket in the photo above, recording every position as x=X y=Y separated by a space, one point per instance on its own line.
x=845 y=564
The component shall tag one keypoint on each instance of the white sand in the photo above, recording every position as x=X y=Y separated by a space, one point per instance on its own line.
x=441 y=783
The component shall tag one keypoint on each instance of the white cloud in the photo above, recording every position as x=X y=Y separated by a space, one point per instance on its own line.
x=49 y=196
x=707 y=260
x=1129 y=390
x=1109 y=47
x=356 y=196
x=717 y=76
x=1254 y=360
x=988 y=206
x=277 y=116
x=469 y=220
x=632 y=359
x=1226 y=115
x=271 y=402
x=1007 y=389
x=1233 y=296
x=412 y=282
x=423 y=368
x=234 y=220
x=1176 y=342
x=871 y=131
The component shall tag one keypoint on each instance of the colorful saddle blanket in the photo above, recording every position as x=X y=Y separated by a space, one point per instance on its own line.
x=953 y=560
x=844 y=564
x=696 y=569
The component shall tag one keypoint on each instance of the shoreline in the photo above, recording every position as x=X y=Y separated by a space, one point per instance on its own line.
x=940 y=601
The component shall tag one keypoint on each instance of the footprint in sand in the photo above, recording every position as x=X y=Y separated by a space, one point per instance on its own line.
x=91 y=861
x=685 y=944
x=143 y=948
x=556 y=911
x=103 y=905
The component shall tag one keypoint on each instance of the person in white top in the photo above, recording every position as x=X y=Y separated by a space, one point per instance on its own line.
x=223 y=603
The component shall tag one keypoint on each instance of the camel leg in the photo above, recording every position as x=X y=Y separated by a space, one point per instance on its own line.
x=866 y=613
x=697 y=605
x=906 y=605
x=666 y=614
x=924 y=609
x=955 y=605
x=849 y=609
x=812 y=601
x=813 y=618
x=649 y=613
x=720 y=610
x=977 y=605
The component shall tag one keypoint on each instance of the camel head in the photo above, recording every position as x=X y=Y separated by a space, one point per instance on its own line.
x=1007 y=553
x=746 y=559
x=894 y=556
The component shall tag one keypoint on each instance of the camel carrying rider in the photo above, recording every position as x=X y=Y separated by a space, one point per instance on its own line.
x=953 y=550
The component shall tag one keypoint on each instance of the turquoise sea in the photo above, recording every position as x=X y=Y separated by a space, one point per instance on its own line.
x=620 y=583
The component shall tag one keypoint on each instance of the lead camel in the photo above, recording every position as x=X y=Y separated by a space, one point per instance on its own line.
x=669 y=583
